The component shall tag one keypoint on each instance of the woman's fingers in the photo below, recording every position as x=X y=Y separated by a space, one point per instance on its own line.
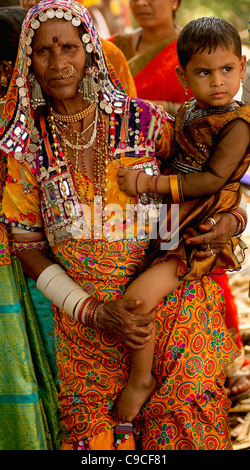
x=118 y=318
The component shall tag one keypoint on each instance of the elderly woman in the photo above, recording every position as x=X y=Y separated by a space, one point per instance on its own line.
x=67 y=129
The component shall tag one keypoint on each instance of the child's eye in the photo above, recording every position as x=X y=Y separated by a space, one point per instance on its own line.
x=227 y=69
x=203 y=73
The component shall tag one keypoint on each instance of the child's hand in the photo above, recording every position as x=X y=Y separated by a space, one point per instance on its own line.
x=131 y=183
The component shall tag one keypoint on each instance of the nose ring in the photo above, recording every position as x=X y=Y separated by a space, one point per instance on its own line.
x=69 y=73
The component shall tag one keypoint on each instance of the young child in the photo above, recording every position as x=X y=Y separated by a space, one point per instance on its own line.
x=212 y=153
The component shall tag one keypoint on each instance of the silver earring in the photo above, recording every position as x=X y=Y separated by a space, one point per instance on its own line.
x=88 y=86
x=37 y=98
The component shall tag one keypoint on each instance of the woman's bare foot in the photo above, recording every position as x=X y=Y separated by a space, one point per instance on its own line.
x=132 y=397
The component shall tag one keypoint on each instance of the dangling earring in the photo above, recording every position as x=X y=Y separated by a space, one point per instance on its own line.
x=37 y=98
x=88 y=86
x=186 y=90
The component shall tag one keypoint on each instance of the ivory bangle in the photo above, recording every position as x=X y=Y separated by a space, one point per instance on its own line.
x=63 y=291
x=56 y=283
x=78 y=307
x=72 y=302
x=47 y=275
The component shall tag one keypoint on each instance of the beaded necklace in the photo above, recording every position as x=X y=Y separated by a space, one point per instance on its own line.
x=80 y=135
x=100 y=164
x=72 y=117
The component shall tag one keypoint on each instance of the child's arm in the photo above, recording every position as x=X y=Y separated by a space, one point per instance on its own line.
x=226 y=157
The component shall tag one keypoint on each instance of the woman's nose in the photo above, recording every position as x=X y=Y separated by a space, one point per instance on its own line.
x=57 y=61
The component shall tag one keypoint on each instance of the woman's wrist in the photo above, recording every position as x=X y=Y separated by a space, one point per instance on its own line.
x=88 y=312
x=62 y=290
x=241 y=217
x=159 y=184
x=141 y=182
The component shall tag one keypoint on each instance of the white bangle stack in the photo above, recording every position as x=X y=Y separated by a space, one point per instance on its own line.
x=63 y=291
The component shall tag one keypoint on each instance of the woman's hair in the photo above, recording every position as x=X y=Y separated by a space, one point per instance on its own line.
x=207 y=33
x=11 y=20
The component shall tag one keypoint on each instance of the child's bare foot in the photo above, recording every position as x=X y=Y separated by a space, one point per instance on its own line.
x=131 y=399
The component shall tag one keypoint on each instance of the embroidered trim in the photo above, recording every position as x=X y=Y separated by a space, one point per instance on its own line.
x=19 y=246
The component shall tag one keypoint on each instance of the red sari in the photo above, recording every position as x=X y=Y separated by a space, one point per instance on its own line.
x=154 y=70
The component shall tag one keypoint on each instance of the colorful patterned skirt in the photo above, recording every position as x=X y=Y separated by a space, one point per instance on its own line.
x=189 y=409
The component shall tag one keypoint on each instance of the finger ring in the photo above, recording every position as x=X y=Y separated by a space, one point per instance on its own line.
x=210 y=249
x=210 y=219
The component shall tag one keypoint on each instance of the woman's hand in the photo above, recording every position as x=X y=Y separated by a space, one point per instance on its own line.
x=132 y=182
x=214 y=237
x=118 y=318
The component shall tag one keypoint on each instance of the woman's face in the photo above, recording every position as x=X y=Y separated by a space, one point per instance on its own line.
x=151 y=13
x=56 y=47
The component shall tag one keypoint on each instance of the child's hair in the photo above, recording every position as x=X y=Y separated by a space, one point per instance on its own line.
x=207 y=33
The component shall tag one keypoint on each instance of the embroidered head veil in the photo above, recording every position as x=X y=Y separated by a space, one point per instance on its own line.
x=18 y=133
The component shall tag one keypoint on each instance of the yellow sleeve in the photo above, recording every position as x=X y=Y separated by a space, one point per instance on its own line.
x=20 y=208
x=165 y=143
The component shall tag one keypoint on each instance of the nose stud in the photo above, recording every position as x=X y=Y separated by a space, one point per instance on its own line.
x=69 y=73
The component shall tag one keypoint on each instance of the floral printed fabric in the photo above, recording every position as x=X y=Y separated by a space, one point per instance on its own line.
x=189 y=409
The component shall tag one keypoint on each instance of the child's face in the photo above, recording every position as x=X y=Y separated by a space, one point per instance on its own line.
x=214 y=78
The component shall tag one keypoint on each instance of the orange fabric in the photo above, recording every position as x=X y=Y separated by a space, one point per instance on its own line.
x=192 y=349
x=117 y=59
x=102 y=441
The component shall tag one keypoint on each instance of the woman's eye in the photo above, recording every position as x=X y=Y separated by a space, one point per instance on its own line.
x=69 y=46
x=42 y=51
x=203 y=73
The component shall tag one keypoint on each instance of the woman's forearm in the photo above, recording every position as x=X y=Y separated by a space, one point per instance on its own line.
x=33 y=262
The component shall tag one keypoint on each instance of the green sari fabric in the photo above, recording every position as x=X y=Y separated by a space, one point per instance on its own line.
x=29 y=418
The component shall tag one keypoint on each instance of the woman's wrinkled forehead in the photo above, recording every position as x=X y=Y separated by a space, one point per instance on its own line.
x=56 y=30
x=69 y=11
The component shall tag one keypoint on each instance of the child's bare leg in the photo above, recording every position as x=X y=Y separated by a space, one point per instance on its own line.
x=151 y=286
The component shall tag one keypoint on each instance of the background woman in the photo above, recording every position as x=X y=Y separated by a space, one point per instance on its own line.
x=151 y=52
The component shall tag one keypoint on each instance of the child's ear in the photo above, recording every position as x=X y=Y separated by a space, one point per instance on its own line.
x=243 y=65
x=181 y=74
